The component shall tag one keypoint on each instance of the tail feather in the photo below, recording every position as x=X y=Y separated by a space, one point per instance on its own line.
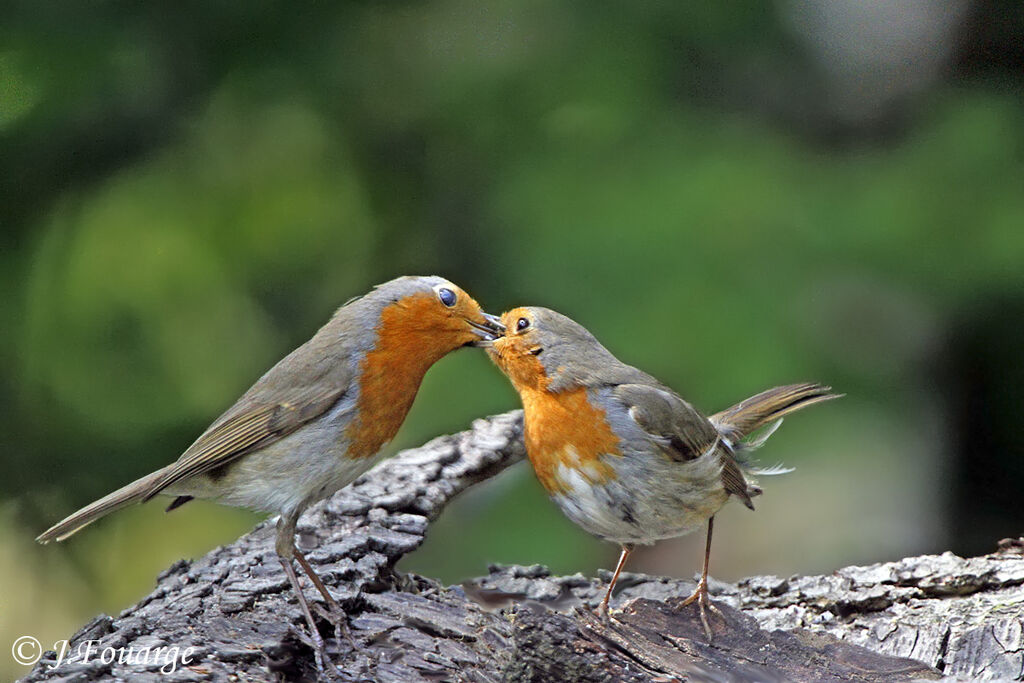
x=739 y=421
x=746 y=417
x=134 y=492
x=758 y=441
x=772 y=471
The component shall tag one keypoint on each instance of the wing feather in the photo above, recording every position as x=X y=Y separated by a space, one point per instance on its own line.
x=300 y=388
x=683 y=431
x=243 y=433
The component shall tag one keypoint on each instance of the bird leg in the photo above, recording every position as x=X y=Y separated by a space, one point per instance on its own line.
x=319 y=649
x=700 y=594
x=334 y=612
x=286 y=550
x=602 y=609
x=332 y=604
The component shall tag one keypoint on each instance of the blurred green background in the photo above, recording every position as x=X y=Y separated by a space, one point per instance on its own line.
x=729 y=195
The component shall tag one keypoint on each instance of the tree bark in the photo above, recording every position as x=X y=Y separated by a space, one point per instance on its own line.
x=915 y=619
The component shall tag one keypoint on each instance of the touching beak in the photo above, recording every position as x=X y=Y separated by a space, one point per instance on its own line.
x=489 y=330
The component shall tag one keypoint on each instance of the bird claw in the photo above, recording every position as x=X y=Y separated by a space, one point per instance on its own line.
x=336 y=617
x=314 y=641
x=704 y=604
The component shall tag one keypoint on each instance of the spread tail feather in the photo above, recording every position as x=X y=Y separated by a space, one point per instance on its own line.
x=134 y=492
x=746 y=417
x=736 y=423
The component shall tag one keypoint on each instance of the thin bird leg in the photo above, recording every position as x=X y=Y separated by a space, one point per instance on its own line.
x=700 y=594
x=331 y=602
x=319 y=649
x=602 y=609
x=335 y=613
x=286 y=550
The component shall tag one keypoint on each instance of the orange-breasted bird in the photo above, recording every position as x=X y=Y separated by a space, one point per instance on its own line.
x=622 y=454
x=318 y=419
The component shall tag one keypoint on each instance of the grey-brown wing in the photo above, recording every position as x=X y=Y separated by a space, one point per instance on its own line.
x=671 y=420
x=299 y=389
x=685 y=432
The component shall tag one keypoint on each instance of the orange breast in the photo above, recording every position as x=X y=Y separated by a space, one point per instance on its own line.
x=390 y=374
x=565 y=429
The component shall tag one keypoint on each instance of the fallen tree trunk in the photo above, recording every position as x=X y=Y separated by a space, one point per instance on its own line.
x=918 y=618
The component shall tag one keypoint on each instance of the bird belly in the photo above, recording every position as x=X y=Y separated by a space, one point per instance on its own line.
x=648 y=499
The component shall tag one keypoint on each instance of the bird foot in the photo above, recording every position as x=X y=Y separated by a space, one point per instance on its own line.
x=704 y=604
x=324 y=666
x=334 y=615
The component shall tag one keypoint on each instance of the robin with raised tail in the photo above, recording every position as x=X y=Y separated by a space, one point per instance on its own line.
x=317 y=419
x=622 y=454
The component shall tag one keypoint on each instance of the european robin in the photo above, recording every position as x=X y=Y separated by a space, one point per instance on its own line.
x=619 y=452
x=317 y=419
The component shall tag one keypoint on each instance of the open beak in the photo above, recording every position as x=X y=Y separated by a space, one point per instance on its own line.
x=489 y=330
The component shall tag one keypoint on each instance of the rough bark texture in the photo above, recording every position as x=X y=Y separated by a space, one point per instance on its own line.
x=918 y=618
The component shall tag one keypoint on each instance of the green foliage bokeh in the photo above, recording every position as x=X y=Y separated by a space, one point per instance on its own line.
x=189 y=198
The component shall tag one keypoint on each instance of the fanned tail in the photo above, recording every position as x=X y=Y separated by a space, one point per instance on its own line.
x=767 y=408
x=746 y=417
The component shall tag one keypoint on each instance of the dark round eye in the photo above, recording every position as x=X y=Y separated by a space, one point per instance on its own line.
x=446 y=296
x=522 y=324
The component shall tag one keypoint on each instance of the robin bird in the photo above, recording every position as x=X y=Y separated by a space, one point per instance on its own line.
x=317 y=419
x=622 y=454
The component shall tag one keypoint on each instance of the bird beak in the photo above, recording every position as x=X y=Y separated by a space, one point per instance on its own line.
x=489 y=330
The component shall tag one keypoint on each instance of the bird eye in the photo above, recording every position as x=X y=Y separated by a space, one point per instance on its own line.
x=446 y=296
x=522 y=324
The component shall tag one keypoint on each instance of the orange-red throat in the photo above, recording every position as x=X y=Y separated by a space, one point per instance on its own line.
x=516 y=353
x=413 y=334
x=562 y=429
